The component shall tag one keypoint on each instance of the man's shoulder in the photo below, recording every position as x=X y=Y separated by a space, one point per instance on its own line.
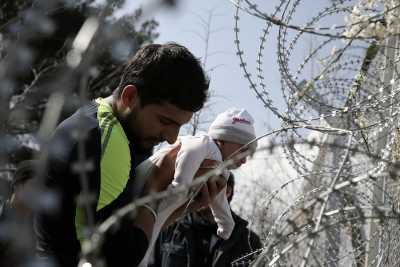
x=254 y=235
x=85 y=118
x=239 y=220
x=83 y=123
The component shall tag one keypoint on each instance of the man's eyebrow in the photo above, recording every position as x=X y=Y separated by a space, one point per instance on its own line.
x=171 y=120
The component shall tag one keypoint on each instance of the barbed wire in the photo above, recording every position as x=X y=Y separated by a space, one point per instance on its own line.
x=354 y=90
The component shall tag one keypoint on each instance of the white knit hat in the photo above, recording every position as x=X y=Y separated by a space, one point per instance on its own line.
x=234 y=125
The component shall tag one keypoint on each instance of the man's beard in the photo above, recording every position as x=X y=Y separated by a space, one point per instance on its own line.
x=132 y=129
x=130 y=125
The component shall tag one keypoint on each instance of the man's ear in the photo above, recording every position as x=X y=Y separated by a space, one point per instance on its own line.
x=129 y=96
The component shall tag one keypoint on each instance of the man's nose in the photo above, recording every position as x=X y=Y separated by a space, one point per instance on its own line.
x=170 y=134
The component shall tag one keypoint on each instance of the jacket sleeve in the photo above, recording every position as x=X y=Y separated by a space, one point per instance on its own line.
x=54 y=224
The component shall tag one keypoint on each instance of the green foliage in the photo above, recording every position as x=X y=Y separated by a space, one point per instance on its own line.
x=44 y=31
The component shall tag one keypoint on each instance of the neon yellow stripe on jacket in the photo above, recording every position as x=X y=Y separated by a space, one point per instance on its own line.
x=115 y=162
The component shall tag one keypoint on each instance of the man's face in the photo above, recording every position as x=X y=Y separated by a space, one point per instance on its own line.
x=154 y=123
x=228 y=148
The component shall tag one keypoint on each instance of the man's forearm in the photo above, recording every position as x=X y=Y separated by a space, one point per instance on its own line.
x=145 y=220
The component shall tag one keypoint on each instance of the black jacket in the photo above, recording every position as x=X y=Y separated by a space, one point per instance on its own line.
x=16 y=239
x=55 y=231
x=187 y=244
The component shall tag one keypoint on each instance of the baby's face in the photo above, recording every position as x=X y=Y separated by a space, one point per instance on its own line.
x=237 y=163
x=228 y=149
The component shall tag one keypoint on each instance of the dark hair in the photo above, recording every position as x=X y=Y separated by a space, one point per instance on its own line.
x=166 y=73
x=24 y=172
x=231 y=183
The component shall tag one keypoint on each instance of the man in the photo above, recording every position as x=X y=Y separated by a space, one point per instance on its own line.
x=193 y=242
x=160 y=89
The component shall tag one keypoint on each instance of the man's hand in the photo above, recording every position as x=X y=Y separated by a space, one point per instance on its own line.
x=163 y=173
x=207 y=192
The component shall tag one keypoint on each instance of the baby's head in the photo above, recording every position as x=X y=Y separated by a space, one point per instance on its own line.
x=232 y=129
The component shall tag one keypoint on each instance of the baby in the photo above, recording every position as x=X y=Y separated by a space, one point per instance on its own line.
x=227 y=134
